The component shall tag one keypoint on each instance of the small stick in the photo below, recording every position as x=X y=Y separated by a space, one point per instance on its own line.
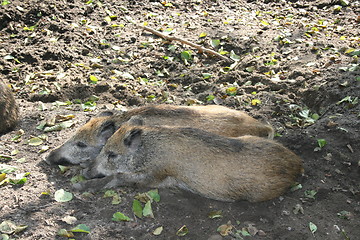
x=197 y=46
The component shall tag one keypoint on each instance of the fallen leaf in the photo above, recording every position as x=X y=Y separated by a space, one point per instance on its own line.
x=7 y=168
x=81 y=228
x=313 y=227
x=158 y=231
x=63 y=196
x=9 y=227
x=35 y=141
x=69 y=219
x=118 y=216
x=137 y=208
x=147 y=211
x=203 y=34
x=154 y=194
x=215 y=214
x=182 y=231
x=298 y=209
x=65 y=233
x=215 y=42
x=225 y=229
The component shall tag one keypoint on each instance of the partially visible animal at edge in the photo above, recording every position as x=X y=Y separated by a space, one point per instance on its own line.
x=9 y=112
x=221 y=168
x=88 y=141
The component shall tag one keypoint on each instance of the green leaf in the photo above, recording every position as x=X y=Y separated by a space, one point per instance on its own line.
x=310 y=194
x=182 y=231
x=93 y=79
x=9 y=227
x=245 y=232
x=5 y=157
x=65 y=233
x=116 y=200
x=344 y=215
x=344 y=3
x=313 y=227
x=59 y=127
x=298 y=209
x=63 y=196
x=2 y=178
x=321 y=142
x=7 y=168
x=215 y=214
x=233 y=56
x=206 y=75
x=250 y=69
x=203 y=34
x=210 y=98
x=5 y=2
x=186 y=55
x=137 y=208
x=18 y=181
x=107 y=19
x=109 y=193
x=77 y=178
x=35 y=141
x=118 y=216
x=231 y=91
x=31 y=28
x=296 y=187
x=215 y=42
x=255 y=102
x=154 y=194
x=63 y=169
x=158 y=231
x=315 y=116
x=88 y=106
x=147 y=211
x=81 y=228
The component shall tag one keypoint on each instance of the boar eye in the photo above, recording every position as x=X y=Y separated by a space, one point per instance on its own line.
x=112 y=155
x=81 y=145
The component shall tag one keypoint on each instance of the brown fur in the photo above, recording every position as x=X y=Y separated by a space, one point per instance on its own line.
x=9 y=111
x=217 y=167
x=90 y=138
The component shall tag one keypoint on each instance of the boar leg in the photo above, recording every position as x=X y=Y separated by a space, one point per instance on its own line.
x=113 y=181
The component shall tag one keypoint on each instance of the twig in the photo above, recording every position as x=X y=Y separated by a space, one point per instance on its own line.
x=198 y=47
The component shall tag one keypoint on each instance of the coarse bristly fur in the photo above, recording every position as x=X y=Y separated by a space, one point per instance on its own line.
x=222 y=168
x=87 y=143
x=9 y=112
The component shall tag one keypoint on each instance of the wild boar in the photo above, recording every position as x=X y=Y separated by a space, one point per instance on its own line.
x=9 y=112
x=217 y=167
x=86 y=144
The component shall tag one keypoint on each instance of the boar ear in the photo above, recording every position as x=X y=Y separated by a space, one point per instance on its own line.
x=133 y=139
x=136 y=121
x=107 y=129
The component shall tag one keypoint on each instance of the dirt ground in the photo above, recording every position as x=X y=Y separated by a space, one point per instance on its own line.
x=296 y=67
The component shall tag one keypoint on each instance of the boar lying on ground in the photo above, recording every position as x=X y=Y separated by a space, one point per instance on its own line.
x=9 y=111
x=222 y=168
x=87 y=143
